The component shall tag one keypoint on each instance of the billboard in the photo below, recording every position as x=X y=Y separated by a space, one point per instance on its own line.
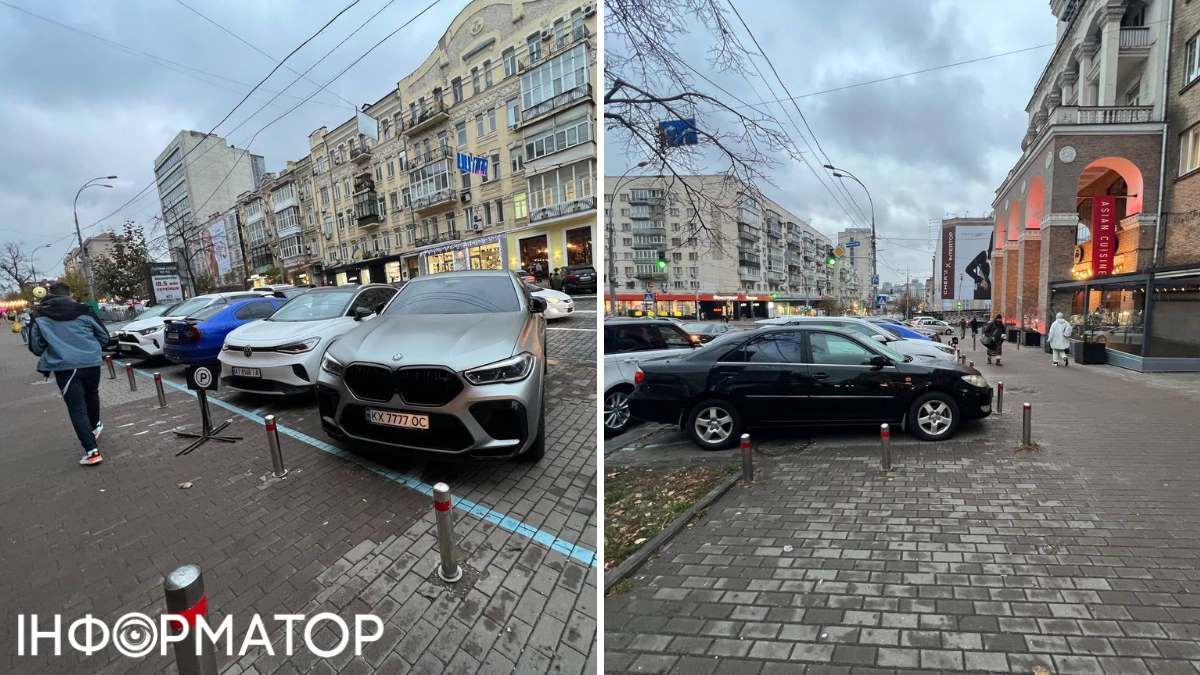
x=964 y=262
x=164 y=282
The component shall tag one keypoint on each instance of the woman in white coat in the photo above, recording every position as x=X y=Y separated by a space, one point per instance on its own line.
x=1059 y=337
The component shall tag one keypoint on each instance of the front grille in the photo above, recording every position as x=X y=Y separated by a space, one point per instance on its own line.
x=445 y=432
x=370 y=383
x=126 y=337
x=428 y=386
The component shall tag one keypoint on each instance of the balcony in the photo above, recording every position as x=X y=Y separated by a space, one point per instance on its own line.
x=437 y=154
x=747 y=258
x=573 y=207
x=749 y=273
x=366 y=209
x=1136 y=37
x=654 y=228
x=360 y=153
x=749 y=233
x=426 y=119
x=649 y=197
x=442 y=197
x=566 y=98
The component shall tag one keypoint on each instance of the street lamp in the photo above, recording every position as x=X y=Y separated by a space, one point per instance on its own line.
x=87 y=261
x=842 y=173
x=612 y=263
x=32 y=267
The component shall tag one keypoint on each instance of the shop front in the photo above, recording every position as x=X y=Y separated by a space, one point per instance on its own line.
x=713 y=306
x=482 y=253
x=541 y=250
x=1145 y=322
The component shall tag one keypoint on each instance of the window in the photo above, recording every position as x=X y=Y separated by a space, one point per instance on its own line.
x=324 y=197
x=451 y=227
x=499 y=210
x=479 y=125
x=456 y=90
x=405 y=198
x=512 y=115
x=337 y=191
x=510 y=62
x=341 y=222
x=494 y=160
x=378 y=173
x=460 y=130
x=1191 y=59
x=487 y=73
x=1189 y=150
x=520 y=205
x=838 y=350
x=517 y=159
x=491 y=118
x=391 y=169
x=475 y=80
x=395 y=199
x=572 y=133
x=255 y=310
x=534 y=44
x=466 y=181
x=487 y=213
x=565 y=73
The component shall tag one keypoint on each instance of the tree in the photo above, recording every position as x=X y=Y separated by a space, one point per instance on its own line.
x=77 y=280
x=121 y=272
x=15 y=268
x=831 y=306
x=203 y=282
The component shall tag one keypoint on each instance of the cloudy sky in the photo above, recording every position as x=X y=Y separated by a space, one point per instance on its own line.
x=75 y=107
x=926 y=145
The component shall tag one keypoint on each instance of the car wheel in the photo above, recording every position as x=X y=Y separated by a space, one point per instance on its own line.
x=537 y=450
x=714 y=424
x=933 y=417
x=616 y=410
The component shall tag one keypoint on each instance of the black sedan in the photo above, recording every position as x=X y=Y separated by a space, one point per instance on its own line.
x=579 y=279
x=795 y=376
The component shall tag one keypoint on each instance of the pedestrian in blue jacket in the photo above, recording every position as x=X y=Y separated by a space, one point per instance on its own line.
x=67 y=338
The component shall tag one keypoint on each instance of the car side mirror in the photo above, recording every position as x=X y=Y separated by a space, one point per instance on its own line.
x=879 y=338
x=361 y=313
x=879 y=361
x=537 y=305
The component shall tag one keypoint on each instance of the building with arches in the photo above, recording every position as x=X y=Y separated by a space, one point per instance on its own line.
x=1077 y=218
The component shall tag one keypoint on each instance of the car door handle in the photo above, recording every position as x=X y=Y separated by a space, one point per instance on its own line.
x=820 y=376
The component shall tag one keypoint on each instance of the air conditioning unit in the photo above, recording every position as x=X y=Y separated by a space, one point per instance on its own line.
x=589 y=9
x=547 y=33
x=466 y=197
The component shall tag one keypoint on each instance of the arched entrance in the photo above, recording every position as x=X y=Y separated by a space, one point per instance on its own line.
x=1115 y=176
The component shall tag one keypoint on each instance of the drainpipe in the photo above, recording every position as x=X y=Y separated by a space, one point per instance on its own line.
x=1159 y=234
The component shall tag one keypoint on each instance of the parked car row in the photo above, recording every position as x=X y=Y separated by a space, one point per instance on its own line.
x=713 y=383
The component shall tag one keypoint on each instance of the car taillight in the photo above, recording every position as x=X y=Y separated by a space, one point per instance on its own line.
x=192 y=333
x=639 y=376
x=571 y=277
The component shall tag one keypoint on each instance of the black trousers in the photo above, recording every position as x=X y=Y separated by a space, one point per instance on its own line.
x=81 y=392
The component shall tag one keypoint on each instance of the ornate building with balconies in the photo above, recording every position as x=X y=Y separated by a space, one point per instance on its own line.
x=1077 y=218
x=747 y=256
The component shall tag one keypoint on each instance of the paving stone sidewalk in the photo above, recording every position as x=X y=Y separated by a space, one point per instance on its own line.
x=1083 y=557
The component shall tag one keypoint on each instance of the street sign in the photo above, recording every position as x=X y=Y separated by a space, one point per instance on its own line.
x=875 y=280
x=853 y=243
x=839 y=251
x=648 y=297
x=202 y=377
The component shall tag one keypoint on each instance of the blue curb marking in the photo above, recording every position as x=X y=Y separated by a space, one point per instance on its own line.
x=581 y=553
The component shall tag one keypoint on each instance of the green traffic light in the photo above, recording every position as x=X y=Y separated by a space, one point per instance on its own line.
x=662 y=264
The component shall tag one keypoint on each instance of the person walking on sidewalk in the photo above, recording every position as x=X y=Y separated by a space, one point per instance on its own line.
x=993 y=339
x=974 y=326
x=1059 y=338
x=962 y=327
x=67 y=338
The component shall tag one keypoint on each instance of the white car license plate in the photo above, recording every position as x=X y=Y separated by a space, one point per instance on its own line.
x=247 y=372
x=390 y=418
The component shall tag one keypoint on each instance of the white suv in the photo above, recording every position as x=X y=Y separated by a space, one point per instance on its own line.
x=144 y=336
x=628 y=342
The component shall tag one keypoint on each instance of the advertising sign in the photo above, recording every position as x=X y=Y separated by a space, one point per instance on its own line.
x=164 y=282
x=218 y=251
x=1104 y=234
x=964 y=263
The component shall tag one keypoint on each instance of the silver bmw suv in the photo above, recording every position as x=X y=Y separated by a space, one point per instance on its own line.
x=455 y=366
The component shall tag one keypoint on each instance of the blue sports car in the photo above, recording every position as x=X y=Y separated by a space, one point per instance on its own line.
x=198 y=338
x=900 y=330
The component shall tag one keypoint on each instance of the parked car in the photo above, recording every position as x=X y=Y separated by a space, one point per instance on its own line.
x=705 y=331
x=804 y=375
x=579 y=279
x=281 y=355
x=287 y=291
x=627 y=342
x=454 y=366
x=526 y=276
x=899 y=329
x=559 y=305
x=919 y=349
x=145 y=336
x=929 y=322
x=198 y=338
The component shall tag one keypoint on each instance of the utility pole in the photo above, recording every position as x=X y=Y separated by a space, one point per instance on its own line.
x=611 y=240
x=83 y=252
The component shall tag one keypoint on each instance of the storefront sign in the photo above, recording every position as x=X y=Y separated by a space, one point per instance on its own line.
x=164 y=282
x=1104 y=234
x=947 y=272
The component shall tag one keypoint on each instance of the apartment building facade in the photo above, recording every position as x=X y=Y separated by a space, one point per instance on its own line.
x=279 y=228
x=485 y=157
x=97 y=246
x=198 y=175
x=1080 y=218
x=738 y=254
x=853 y=280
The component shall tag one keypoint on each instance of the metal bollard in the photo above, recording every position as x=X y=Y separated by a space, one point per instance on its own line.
x=449 y=570
x=885 y=447
x=278 y=469
x=112 y=371
x=132 y=380
x=184 y=587
x=747 y=459
x=1026 y=423
x=1000 y=397
x=971 y=364
x=158 y=387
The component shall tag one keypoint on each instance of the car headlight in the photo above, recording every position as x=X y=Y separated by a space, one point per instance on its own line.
x=332 y=366
x=512 y=369
x=976 y=381
x=944 y=348
x=299 y=347
x=553 y=301
x=147 y=331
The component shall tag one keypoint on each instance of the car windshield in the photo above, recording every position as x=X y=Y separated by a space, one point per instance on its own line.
x=315 y=306
x=456 y=295
x=700 y=328
x=187 y=307
x=207 y=312
x=157 y=310
x=533 y=288
x=890 y=353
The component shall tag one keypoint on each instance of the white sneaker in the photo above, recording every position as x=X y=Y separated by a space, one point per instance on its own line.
x=97 y=431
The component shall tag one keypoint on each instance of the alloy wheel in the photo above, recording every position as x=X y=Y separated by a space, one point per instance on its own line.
x=616 y=410
x=934 y=417
x=714 y=425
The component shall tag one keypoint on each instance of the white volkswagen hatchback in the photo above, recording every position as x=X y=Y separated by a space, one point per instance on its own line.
x=281 y=355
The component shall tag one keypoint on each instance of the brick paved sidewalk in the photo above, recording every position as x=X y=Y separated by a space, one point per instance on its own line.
x=335 y=535
x=1083 y=557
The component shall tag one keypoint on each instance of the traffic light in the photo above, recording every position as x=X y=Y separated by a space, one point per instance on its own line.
x=662 y=262
x=830 y=258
